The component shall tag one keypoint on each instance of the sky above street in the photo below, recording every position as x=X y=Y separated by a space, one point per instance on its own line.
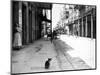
x=56 y=12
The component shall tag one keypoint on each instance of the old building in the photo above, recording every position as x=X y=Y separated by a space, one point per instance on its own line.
x=29 y=17
x=82 y=21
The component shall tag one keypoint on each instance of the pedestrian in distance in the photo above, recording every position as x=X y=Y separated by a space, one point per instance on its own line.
x=54 y=34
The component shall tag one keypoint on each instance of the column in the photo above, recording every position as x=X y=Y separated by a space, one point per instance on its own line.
x=44 y=27
x=20 y=22
x=30 y=25
x=33 y=24
x=78 y=28
x=45 y=22
x=27 y=21
x=73 y=29
x=24 y=24
x=51 y=21
x=38 y=29
x=36 y=22
x=20 y=14
x=91 y=26
x=82 y=27
x=86 y=27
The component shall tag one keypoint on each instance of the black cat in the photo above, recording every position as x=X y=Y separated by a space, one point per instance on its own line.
x=47 y=63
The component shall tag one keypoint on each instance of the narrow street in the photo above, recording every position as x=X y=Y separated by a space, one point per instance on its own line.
x=52 y=37
x=33 y=57
x=66 y=62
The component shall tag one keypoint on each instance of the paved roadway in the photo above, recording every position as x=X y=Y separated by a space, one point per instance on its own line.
x=33 y=57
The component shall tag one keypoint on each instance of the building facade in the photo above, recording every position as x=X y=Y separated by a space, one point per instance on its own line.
x=28 y=16
x=82 y=21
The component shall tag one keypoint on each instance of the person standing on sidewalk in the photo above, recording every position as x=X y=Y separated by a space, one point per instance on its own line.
x=17 y=38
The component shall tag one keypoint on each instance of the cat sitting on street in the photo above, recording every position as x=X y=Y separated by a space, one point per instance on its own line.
x=47 y=63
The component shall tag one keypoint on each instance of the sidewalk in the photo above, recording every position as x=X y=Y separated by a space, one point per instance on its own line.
x=67 y=62
x=32 y=58
x=83 y=48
